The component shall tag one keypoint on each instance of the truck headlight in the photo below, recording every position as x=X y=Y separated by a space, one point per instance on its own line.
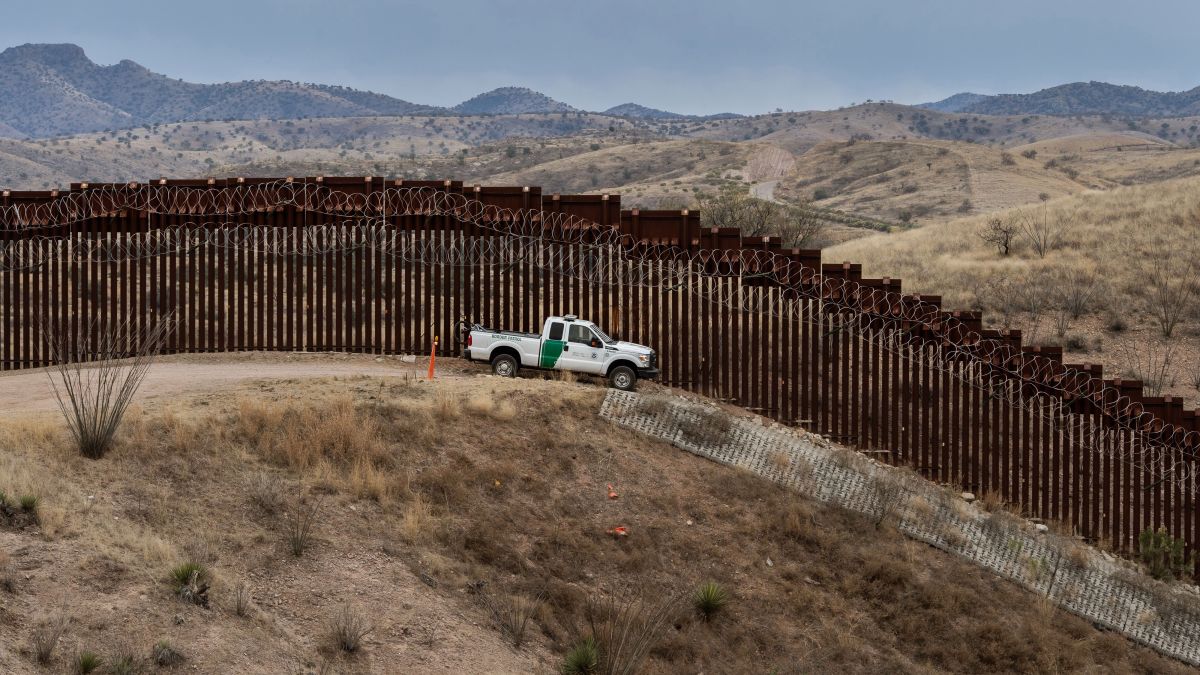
x=644 y=358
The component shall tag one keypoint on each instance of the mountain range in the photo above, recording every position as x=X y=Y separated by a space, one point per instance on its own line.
x=55 y=89
x=1077 y=98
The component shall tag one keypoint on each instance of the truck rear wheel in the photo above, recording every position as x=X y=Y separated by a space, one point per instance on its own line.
x=623 y=378
x=505 y=365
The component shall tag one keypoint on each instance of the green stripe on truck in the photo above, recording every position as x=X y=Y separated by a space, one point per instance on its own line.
x=551 y=350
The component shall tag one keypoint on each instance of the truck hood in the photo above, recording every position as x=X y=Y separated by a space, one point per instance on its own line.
x=631 y=348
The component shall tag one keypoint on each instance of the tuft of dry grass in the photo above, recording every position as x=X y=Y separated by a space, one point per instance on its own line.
x=46 y=635
x=512 y=613
x=241 y=599
x=711 y=427
x=348 y=628
x=415 y=524
x=8 y=577
x=486 y=405
x=298 y=523
x=265 y=491
x=627 y=626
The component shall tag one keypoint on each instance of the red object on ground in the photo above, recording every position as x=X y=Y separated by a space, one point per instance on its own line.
x=432 y=356
x=619 y=531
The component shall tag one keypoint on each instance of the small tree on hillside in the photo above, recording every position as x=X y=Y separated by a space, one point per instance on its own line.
x=1073 y=294
x=1044 y=233
x=1000 y=233
x=1171 y=273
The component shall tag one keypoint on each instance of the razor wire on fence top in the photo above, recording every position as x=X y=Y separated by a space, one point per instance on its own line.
x=547 y=239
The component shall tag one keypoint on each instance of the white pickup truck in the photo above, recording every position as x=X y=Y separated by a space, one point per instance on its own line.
x=566 y=343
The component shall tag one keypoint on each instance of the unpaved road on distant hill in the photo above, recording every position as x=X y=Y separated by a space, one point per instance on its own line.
x=30 y=390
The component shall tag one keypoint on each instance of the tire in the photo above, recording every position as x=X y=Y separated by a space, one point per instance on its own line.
x=505 y=365
x=623 y=378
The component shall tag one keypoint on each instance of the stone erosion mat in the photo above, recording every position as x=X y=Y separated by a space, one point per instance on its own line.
x=1078 y=578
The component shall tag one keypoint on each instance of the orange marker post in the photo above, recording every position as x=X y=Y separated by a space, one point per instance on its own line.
x=432 y=356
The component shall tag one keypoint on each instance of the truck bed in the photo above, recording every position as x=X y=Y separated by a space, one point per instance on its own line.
x=494 y=331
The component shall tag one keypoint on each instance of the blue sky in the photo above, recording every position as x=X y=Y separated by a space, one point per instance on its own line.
x=688 y=56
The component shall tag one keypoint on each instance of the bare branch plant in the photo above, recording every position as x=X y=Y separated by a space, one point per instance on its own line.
x=96 y=374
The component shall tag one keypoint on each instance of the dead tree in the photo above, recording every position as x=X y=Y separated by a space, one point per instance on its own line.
x=1000 y=233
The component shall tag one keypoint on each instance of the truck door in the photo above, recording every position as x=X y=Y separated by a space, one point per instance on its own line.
x=583 y=353
x=552 y=346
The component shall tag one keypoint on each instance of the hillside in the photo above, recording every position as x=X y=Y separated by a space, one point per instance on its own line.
x=434 y=502
x=511 y=101
x=1078 y=98
x=1093 y=292
x=878 y=160
x=50 y=90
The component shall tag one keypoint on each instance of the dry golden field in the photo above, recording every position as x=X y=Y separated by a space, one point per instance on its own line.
x=1099 y=290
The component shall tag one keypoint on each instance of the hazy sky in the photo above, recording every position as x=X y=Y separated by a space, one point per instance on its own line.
x=692 y=56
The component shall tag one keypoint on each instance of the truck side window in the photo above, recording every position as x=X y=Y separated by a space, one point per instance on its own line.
x=581 y=334
x=556 y=330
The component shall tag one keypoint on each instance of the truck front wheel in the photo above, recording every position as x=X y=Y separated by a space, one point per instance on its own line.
x=623 y=378
x=505 y=365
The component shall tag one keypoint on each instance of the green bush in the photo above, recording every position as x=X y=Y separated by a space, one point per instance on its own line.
x=29 y=503
x=709 y=599
x=86 y=662
x=1163 y=554
x=819 y=194
x=191 y=581
x=583 y=659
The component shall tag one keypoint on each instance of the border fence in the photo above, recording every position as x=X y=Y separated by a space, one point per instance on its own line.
x=383 y=266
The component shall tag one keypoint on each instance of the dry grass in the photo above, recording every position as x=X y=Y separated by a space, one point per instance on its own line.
x=301 y=518
x=519 y=504
x=1111 y=235
x=242 y=602
x=512 y=613
x=710 y=429
x=46 y=635
x=348 y=628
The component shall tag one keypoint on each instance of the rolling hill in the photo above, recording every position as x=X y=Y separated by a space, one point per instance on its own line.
x=1078 y=98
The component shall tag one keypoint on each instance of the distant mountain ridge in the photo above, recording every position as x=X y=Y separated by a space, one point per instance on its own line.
x=637 y=111
x=511 y=101
x=1078 y=98
x=55 y=89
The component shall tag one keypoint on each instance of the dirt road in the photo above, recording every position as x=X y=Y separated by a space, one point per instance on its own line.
x=30 y=391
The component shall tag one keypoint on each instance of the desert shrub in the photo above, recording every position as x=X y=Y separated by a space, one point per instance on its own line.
x=582 y=659
x=96 y=374
x=192 y=581
x=819 y=194
x=1007 y=159
x=1029 y=154
x=29 y=503
x=241 y=599
x=347 y=629
x=1162 y=554
x=45 y=637
x=512 y=613
x=124 y=661
x=1075 y=343
x=653 y=405
x=8 y=579
x=86 y=662
x=265 y=492
x=711 y=428
x=1000 y=233
x=626 y=626
x=164 y=654
x=298 y=524
x=445 y=407
x=709 y=600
